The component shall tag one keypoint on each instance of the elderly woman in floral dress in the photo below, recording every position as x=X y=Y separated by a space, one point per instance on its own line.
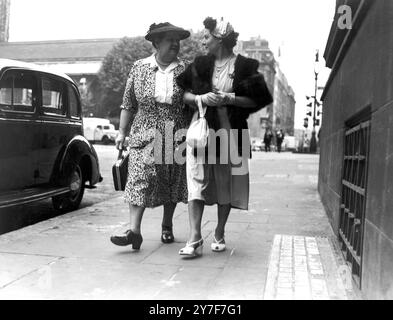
x=152 y=103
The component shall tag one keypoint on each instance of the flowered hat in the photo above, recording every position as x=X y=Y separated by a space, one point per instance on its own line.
x=219 y=28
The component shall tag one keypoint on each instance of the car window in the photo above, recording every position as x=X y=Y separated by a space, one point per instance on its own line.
x=106 y=127
x=53 y=96
x=17 y=91
x=99 y=127
x=73 y=103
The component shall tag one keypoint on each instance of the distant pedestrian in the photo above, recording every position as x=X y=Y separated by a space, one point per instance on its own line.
x=279 y=139
x=231 y=88
x=148 y=105
x=267 y=139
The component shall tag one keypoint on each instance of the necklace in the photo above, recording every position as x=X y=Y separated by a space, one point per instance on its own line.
x=221 y=67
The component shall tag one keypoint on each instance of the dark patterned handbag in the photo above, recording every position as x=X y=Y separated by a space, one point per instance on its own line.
x=120 y=170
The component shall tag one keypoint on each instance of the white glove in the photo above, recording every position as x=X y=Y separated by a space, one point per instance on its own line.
x=211 y=99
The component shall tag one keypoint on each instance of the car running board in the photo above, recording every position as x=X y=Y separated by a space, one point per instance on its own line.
x=18 y=197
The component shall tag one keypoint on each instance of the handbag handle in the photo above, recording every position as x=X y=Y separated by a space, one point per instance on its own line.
x=200 y=107
x=120 y=155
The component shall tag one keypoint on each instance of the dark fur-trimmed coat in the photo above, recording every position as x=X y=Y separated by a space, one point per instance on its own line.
x=247 y=81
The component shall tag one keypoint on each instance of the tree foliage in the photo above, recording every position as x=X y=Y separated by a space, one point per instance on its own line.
x=117 y=64
x=192 y=46
x=115 y=69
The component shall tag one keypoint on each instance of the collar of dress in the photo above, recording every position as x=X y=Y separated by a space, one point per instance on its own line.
x=154 y=65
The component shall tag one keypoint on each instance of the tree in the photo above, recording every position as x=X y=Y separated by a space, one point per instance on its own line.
x=115 y=68
x=192 y=46
x=117 y=64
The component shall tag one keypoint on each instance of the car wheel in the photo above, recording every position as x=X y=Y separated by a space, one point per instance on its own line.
x=72 y=199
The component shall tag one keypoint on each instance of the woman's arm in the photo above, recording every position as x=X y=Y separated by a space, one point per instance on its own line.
x=244 y=102
x=125 y=119
x=128 y=111
x=238 y=101
x=208 y=99
x=189 y=98
x=124 y=128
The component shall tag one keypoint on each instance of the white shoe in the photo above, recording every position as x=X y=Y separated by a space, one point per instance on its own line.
x=192 y=249
x=218 y=246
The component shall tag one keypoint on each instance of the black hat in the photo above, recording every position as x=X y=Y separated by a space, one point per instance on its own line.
x=156 y=29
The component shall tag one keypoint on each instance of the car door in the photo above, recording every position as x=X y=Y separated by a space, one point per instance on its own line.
x=55 y=130
x=19 y=129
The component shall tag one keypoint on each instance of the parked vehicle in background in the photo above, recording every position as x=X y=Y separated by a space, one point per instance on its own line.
x=257 y=144
x=99 y=130
x=43 y=152
x=290 y=143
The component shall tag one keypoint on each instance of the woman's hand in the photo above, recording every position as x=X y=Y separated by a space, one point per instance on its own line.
x=119 y=142
x=212 y=99
x=227 y=98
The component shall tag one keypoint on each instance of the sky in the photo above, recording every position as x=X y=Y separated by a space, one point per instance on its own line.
x=298 y=27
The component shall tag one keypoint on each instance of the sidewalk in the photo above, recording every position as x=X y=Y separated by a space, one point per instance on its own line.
x=282 y=248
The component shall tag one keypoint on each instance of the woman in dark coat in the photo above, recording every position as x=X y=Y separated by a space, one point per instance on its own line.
x=231 y=89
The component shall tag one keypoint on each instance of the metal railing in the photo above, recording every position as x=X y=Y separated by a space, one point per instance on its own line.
x=353 y=196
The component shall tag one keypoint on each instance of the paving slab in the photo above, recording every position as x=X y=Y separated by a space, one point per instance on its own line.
x=303 y=268
x=75 y=278
x=15 y=266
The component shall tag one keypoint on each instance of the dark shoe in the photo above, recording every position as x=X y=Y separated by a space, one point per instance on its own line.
x=129 y=238
x=167 y=235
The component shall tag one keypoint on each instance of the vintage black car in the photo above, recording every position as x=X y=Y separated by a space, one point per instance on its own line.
x=43 y=152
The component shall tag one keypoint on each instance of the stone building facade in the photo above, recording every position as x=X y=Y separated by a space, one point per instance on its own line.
x=4 y=19
x=284 y=104
x=281 y=113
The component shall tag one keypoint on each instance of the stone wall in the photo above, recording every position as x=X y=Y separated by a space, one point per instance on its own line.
x=363 y=81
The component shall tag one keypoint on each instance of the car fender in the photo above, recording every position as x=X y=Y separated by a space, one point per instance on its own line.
x=78 y=151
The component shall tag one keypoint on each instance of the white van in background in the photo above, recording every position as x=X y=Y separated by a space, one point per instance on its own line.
x=99 y=130
x=290 y=143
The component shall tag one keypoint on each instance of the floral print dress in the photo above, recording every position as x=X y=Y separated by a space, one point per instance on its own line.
x=155 y=176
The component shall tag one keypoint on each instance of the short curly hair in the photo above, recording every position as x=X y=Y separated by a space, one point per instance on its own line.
x=229 y=41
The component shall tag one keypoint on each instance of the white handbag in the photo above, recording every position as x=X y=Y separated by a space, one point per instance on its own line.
x=198 y=132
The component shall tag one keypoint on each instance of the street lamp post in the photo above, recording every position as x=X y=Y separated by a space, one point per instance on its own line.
x=313 y=141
